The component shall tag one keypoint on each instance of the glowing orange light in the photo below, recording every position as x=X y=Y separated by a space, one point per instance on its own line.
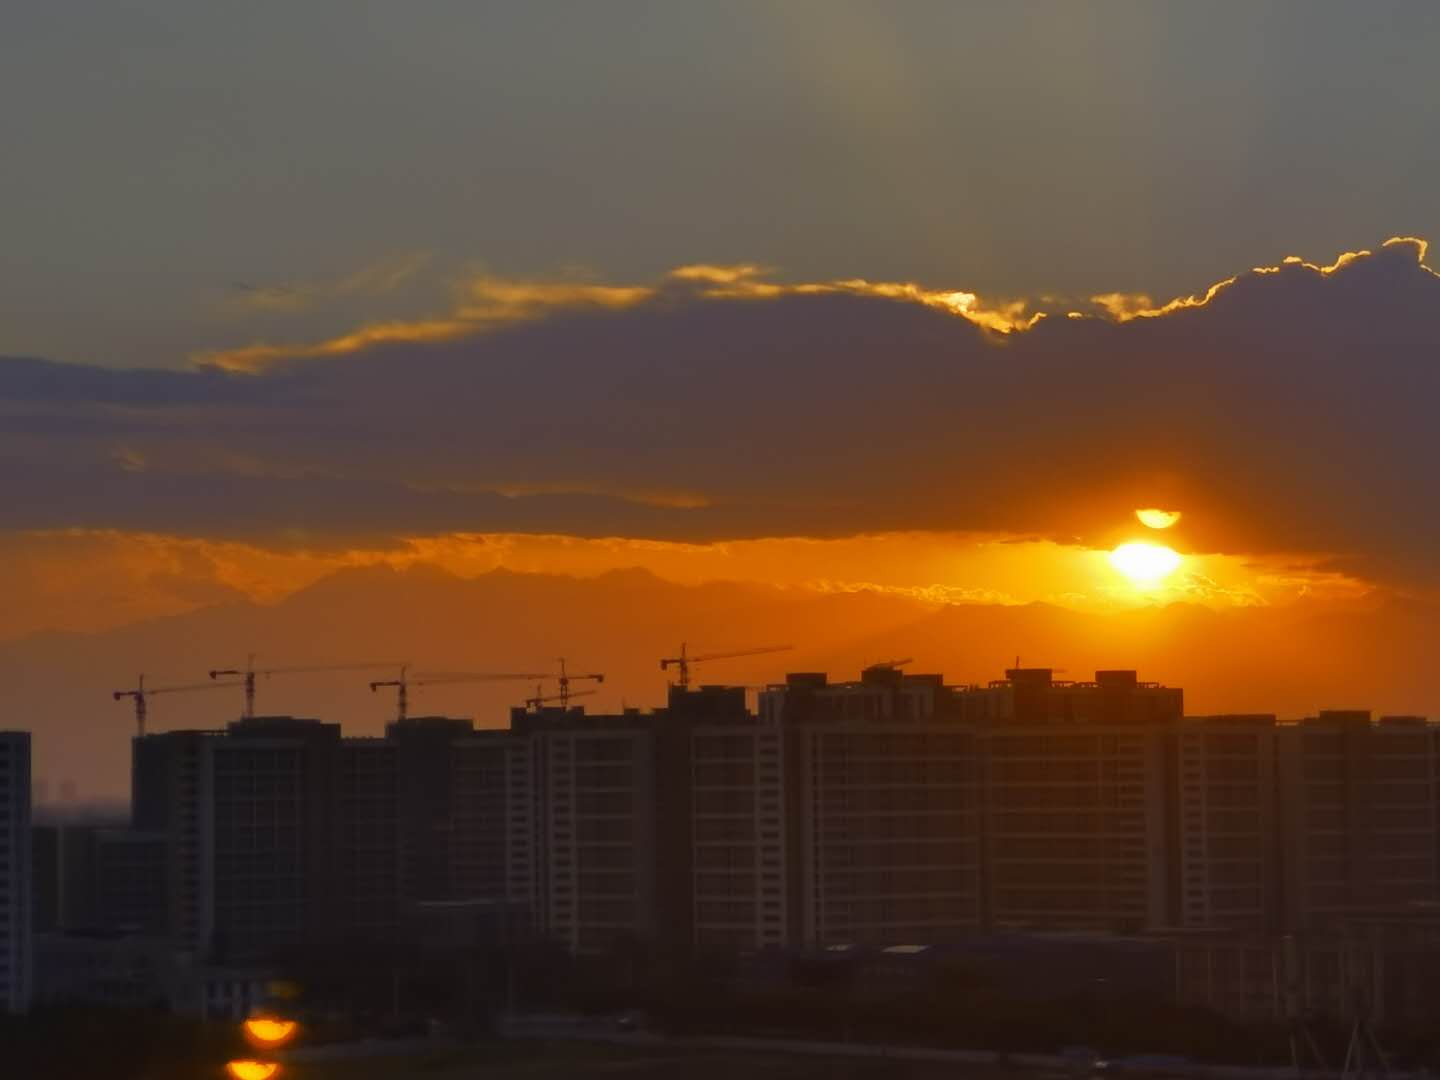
x=1144 y=564
x=268 y=1033
x=1153 y=518
x=252 y=1070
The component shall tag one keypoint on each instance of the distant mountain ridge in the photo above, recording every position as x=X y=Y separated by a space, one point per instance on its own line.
x=58 y=684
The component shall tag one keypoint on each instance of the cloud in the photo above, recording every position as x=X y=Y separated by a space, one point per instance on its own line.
x=486 y=302
x=378 y=278
x=1287 y=410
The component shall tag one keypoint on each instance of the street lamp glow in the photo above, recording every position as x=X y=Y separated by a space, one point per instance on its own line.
x=247 y=1069
x=267 y=1032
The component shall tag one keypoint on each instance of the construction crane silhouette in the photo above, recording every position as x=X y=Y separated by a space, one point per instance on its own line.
x=142 y=694
x=893 y=663
x=566 y=679
x=436 y=678
x=534 y=703
x=684 y=660
x=249 y=673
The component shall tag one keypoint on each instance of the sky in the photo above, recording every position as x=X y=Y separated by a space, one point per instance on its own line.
x=921 y=301
x=167 y=162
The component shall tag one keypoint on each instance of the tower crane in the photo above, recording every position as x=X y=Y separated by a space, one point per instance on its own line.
x=435 y=678
x=142 y=694
x=564 y=699
x=684 y=660
x=249 y=673
x=566 y=679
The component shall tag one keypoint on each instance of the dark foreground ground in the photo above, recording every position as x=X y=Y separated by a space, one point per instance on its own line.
x=543 y=1061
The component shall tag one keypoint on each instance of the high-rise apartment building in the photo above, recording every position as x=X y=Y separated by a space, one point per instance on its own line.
x=739 y=838
x=97 y=877
x=883 y=800
x=367 y=840
x=596 y=823
x=1227 y=843
x=890 y=810
x=1358 y=812
x=1077 y=799
x=260 y=851
x=273 y=859
x=170 y=789
x=15 y=868
x=496 y=821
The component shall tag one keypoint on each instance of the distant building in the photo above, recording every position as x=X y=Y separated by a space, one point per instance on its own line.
x=123 y=970
x=884 y=799
x=367 y=840
x=728 y=835
x=277 y=833
x=1379 y=965
x=891 y=811
x=15 y=870
x=1229 y=843
x=171 y=791
x=1358 y=799
x=44 y=879
x=1077 y=797
x=596 y=824
x=98 y=878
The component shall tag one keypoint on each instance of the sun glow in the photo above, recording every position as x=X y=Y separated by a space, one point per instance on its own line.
x=1154 y=518
x=1145 y=564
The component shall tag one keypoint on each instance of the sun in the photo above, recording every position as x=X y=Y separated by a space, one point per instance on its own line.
x=1145 y=564
x=1153 y=517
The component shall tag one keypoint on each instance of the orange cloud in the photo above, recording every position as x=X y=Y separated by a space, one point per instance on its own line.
x=95 y=579
x=1122 y=307
x=251 y=358
x=487 y=301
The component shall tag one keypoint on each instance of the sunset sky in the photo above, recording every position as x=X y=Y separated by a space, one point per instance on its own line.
x=921 y=301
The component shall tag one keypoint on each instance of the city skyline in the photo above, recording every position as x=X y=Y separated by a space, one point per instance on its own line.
x=900 y=524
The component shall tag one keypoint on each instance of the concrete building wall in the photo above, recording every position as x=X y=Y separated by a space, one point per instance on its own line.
x=889 y=821
x=1078 y=801
x=1076 y=827
x=368 y=839
x=1358 y=810
x=15 y=868
x=738 y=837
x=1229 y=847
x=596 y=798
x=170 y=792
x=496 y=818
x=257 y=845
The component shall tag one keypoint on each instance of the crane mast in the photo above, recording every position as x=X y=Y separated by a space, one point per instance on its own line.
x=565 y=679
x=249 y=672
x=685 y=659
x=141 y=695
x=544 y=699
x=439 y=678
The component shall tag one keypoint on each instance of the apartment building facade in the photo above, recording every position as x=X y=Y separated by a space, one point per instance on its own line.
x=888 y=810
x=884 y=793
x=1076 y=799
x=1228 y=843
x=16 y=942
x=1358 y=806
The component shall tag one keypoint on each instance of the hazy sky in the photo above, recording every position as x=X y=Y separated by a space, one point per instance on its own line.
x=860 y=305
x=168 y=166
